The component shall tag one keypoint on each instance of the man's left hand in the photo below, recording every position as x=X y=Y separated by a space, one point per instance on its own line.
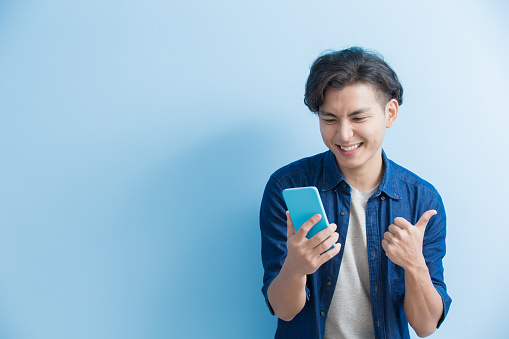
x=403 y=241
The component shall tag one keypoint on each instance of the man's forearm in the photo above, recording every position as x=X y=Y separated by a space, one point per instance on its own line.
x=423 y=303
x=287 y=294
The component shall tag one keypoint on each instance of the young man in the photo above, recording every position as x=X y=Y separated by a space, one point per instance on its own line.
x=389 y=225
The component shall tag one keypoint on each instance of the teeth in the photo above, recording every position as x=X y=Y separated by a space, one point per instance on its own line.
x=350 y=148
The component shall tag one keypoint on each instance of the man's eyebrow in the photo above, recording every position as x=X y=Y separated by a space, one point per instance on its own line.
x=359 y=111
x=356 y=112
x=326 y=113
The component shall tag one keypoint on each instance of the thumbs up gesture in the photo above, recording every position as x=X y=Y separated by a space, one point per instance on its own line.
x=403 y=241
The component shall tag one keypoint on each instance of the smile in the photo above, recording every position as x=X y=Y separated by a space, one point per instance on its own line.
x=350 y=148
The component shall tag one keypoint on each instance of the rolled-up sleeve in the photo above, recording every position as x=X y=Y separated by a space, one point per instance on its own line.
x=273 y=233
x=434 y=250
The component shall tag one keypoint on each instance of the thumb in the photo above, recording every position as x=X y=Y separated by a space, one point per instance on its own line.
x=290 y=229
x=423 y=221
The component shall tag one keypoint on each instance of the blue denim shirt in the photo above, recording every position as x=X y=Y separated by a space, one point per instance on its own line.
x=400 y=194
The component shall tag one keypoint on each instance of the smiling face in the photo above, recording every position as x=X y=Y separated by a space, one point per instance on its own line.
x=352 y=124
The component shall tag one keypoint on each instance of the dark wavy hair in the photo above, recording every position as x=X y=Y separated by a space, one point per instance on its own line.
x=351 y=66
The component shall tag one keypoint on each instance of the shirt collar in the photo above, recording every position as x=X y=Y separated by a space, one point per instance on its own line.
x=332 y=176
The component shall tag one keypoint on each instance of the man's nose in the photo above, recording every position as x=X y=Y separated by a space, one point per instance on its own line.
x=345 y=131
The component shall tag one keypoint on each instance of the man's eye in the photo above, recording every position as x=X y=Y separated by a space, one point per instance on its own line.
x=329 y=121
x=359 y=119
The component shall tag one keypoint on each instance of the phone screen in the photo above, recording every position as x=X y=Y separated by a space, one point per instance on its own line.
x=303 y=203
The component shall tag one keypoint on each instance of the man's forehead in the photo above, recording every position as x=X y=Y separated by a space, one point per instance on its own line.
x=351 y=90
x=350 y=99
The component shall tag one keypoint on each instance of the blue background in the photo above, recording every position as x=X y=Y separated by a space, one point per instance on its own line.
x=136 y=138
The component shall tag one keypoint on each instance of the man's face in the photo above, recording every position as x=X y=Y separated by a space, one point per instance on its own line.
x=353 y=123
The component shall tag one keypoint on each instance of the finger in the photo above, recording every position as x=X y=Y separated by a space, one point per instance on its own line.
x=326 y=244
x=319 y=237
x=328 y=255
x=385 y=245
x=290 y=229
x=394 y=229
x=402 y=223
x=389 y=237
x=307 y=225
x=423 y=221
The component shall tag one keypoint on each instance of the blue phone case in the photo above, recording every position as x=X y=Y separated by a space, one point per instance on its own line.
x=303 y=203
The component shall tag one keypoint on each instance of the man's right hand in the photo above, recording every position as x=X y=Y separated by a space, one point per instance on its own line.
x=305 y=255
x=286 y=293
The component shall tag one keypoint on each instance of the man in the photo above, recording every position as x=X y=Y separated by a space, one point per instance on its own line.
x=389 y=225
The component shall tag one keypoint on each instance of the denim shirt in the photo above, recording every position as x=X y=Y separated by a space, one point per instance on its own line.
x=400 y=194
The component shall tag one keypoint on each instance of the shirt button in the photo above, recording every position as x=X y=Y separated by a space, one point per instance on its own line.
x=322 y=313
x=342 y=213
x=344 y=185
x=309 y=295
x=382 y=197
x=329 y=283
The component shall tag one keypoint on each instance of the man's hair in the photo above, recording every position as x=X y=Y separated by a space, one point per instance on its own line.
x=351 y=66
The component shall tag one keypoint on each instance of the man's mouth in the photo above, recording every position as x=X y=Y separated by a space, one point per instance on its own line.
x=350 y=148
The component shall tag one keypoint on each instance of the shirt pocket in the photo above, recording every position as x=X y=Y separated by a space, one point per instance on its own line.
x=396 y=281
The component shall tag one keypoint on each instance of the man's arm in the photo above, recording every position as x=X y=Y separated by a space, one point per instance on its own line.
x=403 y=245
x=423 y=304
x=286 y=293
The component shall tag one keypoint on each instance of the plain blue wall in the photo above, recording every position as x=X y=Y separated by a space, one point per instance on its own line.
x=136 y=139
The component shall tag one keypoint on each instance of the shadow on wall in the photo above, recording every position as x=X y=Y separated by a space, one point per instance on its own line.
x=206 y=203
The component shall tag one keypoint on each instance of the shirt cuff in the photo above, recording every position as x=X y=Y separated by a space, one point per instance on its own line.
x=446 y=300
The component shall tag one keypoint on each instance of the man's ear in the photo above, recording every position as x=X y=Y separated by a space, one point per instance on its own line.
x=391 y=112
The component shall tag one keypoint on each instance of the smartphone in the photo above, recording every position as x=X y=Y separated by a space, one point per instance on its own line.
x=303 y=203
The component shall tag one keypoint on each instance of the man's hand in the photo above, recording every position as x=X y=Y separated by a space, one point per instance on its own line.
x=286 y=293
x=403 y=245
x=403 y=241
x=305 y=255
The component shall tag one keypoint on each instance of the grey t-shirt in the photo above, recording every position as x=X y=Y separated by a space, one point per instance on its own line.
x=350 y=310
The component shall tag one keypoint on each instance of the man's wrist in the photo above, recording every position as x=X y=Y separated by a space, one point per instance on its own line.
x=417 y=268
x=289 y=275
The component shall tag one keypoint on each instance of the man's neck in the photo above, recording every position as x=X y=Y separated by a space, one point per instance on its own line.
x=364 y=179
